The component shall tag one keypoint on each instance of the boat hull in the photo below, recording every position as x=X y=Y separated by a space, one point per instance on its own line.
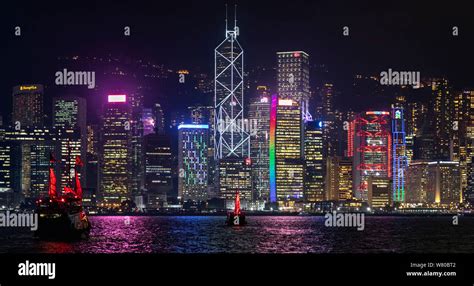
x=63 y=226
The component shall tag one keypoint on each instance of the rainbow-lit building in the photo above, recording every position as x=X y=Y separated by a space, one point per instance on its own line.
x=286 y=153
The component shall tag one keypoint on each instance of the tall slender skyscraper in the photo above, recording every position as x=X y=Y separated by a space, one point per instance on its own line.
x=259 y=120
x=231 y=140
x=399 y=158
x=314 y=163
x=115 y=162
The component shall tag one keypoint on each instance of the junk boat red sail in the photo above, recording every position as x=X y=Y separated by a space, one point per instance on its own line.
x=237 y=217
x=61 y=216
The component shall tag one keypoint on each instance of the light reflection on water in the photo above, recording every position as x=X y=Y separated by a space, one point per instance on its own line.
x=187 y=234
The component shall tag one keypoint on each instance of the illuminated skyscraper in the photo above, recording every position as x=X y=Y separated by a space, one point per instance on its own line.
x=259 y=121
x=293 y=79
x=69 y=114
x=286 y=153
x=372 y=150
x=6 y=170
x=158 y=169
x=443 y=104
x=231 y=140
x=193 y=162
x=314 y=163
x=399 y=158
x=28 y=106
x=159 y=118
x=115 y=152
x=138 y=159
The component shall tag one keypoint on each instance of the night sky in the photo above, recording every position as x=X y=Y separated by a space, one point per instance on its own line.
x=401 y=35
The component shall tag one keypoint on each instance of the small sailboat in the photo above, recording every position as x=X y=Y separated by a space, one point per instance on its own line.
x=237 y=217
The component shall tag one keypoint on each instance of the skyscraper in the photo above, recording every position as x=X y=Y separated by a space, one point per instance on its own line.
x=158 y=169
x=399 y=157
x=159 y=118
x=443 y=118
x=259 y=120
x=69 y=114
x=28 y=106
x=231 y=140
x=372 y=150
x=286 y=153
x=115 y=152
x=293 y=79
x=314 y=163
x=193 y=161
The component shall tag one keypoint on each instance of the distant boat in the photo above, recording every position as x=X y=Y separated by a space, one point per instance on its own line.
x=237 y=217
x=61 y=216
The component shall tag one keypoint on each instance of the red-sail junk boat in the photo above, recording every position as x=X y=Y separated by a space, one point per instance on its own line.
x=61 y=216
x=237 y=217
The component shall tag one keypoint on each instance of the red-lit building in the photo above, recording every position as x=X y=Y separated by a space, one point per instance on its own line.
x=371 y=136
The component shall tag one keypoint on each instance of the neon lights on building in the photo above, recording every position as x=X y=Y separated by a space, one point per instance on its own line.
x=372 y=150
x=117 y=98
x=193 y=126
x=399 y=163
x=273 y=113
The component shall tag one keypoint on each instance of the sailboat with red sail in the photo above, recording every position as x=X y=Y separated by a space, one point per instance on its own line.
x=237 y=217
x=61 y=215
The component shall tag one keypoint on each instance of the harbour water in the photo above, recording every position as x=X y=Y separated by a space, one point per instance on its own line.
x=263 y=234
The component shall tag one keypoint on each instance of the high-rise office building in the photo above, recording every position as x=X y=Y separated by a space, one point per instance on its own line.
x=286 y=153
x=92 y=158
x=259 y=121
x=137 y=180
x=159 y=118
x=158 y=169
x=372 y=150
x=338 y=180
x=6 y=170
x=193 y=162
x=314 y=163
x=115 y=152
x=28 y=106
x=293 y=79
x=69 y=114
x=231 y=140
x=443 y=118
x=399 y=157
x=235 y=175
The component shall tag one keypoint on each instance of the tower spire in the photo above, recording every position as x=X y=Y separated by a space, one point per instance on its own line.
x=235 y=17
x=226 y=18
